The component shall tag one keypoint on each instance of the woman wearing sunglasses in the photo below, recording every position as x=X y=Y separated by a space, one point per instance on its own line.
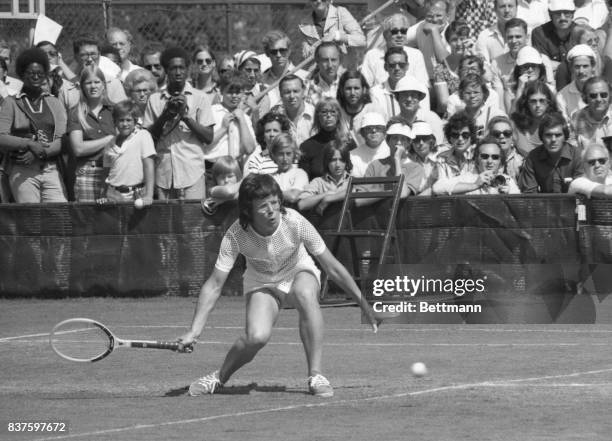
x=460 y=131
x=204 y=75
x=487 y=176
x=534 y=103
x=500 y=128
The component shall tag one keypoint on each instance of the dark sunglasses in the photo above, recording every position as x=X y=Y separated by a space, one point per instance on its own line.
x=487 y=156
x=600 y=161
x=422 y=138
x=208 y=61
x=498 y=133
x=529 y=66
x=602 y=95
x=464 y=135
x=281 y=51
x=394 y=65
x=396 y=31
x=373 y=129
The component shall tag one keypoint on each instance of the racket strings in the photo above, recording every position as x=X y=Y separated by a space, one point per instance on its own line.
x=80 y=341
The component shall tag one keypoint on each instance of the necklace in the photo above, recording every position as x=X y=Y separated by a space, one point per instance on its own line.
x=31 y=107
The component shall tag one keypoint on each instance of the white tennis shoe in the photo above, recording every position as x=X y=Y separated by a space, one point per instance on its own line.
x=208 y=384
x=319 y=386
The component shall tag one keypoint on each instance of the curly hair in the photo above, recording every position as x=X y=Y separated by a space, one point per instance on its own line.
x=458 y=121
x=28 y=57
x=269 y=117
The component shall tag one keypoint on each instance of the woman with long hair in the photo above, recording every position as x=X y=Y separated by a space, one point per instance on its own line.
x=90 y=128
x=529 y=67
x=327 y=128
x=204 y=74
x=354 y=98
x=536 y=101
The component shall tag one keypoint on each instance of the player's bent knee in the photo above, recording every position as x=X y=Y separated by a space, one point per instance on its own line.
x=256 y=339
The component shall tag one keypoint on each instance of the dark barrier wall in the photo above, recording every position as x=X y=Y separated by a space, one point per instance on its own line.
x=57 y=250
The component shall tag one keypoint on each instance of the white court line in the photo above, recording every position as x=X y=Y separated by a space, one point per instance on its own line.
x=325 y=404
x=408 y=344
x=465 y=328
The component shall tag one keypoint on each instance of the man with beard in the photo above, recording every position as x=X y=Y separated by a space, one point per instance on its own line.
x=181 y=122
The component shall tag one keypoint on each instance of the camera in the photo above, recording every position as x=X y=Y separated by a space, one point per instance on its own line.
x=498 y=181
x=175 y=105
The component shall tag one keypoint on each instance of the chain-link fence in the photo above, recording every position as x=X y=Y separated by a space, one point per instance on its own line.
x=227 y=26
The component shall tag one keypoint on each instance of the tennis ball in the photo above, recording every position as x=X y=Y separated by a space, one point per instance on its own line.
x=418 y=369
x=139 y=203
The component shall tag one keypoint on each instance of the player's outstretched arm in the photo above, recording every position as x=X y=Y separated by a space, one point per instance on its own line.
x=209 y=294
x=338 y=273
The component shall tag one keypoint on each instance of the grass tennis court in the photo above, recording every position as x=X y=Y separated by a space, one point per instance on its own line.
x=502 y=382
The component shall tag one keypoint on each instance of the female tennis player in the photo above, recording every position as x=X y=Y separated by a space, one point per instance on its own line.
x=279 y=272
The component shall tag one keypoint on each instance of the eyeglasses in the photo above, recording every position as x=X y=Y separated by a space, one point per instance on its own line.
x=373 y=129
x=153 y=66
x=280 y=51
x=486 y=156
x=327 y=113
x=594 y=96
x=498 y=133
x=35 y=74
x=464 y=135
x=600 y=161
x=201 y=61
x=396 y=31
x=396 y=65
x=87 y=55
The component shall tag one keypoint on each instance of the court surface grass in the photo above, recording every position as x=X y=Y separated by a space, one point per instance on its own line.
x=511 y=382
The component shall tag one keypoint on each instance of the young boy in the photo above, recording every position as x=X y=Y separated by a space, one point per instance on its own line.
x=130 y=160
x=274 y=241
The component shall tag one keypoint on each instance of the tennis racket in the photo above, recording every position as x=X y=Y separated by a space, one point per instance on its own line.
x=85 y=340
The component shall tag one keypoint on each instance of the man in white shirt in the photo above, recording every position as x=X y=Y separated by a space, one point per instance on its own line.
x=122 y=41
x=395 y=28
x=396 y=64
x=325 y=81
x=582 y=61
x=491 y=42
x=299 y=112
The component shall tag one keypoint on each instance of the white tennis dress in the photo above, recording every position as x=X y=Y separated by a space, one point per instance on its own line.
x=272 y=261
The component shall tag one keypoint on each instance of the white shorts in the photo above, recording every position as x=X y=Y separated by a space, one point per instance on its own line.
x=280 y=289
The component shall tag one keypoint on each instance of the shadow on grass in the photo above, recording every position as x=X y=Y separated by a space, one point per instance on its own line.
x=240 y=390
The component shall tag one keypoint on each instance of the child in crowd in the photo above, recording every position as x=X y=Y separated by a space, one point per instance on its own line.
x=291 y=179
x=332 y=186
x=129 y=161
x=227 y=177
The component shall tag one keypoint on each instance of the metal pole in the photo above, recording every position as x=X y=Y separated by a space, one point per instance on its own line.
x=228 y=31
x=107 y=10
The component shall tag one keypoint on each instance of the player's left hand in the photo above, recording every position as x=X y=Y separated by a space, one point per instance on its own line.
x=186 y=342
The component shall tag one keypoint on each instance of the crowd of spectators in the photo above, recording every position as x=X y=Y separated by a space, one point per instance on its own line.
x=461 y=96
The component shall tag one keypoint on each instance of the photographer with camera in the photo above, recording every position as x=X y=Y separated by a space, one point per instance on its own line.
x=181 y=122
x=487 y=177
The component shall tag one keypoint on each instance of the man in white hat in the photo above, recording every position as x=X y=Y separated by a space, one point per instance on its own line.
x=409 y=92
x=582 y=61
x=593 y=123
x=373 y=131
x=395 y=28
x=552 y=38
x=396 y=65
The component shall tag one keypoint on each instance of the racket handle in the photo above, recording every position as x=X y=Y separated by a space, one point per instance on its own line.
x=172 y=345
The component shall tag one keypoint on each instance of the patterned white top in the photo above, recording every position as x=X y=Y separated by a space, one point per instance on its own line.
x=274 y=258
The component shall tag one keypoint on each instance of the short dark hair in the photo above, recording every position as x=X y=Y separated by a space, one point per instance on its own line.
x=395 y=50
x=126 y=107
x=151 y=48
x=84 y=40
x=174 y=52
x=234 y=82
x=29 y=56
x=256 y=186
x=515 y=23
x=551 y=120
x=287 y=78
x=474 y=80
x=593 y=80
x=457 y=27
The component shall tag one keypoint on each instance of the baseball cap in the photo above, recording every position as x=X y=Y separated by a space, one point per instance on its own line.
x=561 y=5
x=580 y=50
x=410 y=83
x=528 y=55
x=400 y=129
